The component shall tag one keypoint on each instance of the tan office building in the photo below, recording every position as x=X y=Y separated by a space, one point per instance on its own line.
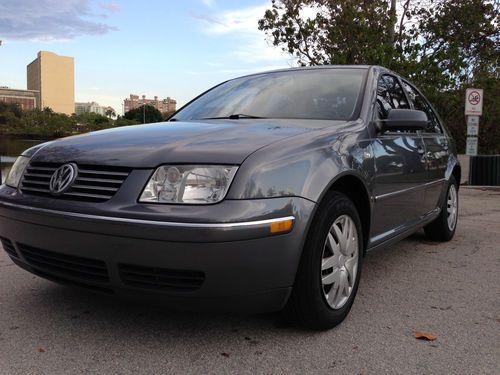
x=54 y=77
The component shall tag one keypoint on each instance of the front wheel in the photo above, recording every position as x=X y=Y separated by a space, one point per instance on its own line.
x=444 y=226
x=330 y=267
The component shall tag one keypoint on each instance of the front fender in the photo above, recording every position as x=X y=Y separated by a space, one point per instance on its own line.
x=304 y=166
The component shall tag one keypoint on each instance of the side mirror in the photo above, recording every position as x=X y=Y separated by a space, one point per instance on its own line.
x=404 y=119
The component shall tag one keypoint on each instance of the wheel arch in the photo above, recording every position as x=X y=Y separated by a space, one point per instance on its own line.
x=355 y=189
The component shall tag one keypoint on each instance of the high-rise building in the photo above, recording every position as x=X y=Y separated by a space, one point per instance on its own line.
x=165 y=106
x=53 y=77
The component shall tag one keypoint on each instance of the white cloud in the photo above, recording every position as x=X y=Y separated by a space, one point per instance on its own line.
x=49 y=20
x=208 y=3
x=242 y=26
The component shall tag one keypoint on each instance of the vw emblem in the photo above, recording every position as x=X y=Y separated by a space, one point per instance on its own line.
x=62 y=178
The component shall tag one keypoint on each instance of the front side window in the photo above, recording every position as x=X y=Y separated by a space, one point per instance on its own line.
x=322 y=94
x=420 y=103
x=390 y=95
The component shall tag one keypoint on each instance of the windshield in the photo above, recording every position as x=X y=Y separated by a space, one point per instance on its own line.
x=323 y=94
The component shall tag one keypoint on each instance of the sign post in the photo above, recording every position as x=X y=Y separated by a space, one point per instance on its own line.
x=473 y=109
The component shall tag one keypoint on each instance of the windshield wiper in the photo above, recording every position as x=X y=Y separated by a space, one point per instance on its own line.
x=235 y=116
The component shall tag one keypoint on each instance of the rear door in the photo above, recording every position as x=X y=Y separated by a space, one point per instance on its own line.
x=400 y=170
x=436 y=148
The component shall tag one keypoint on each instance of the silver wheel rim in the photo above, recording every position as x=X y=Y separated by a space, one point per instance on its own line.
x=452 y=207
x=339 y=265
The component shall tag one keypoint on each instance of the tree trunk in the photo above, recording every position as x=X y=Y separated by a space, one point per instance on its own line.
x=392 y=27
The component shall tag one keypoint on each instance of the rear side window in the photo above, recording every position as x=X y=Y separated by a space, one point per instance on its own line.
x=420 y=103
x=390 y=95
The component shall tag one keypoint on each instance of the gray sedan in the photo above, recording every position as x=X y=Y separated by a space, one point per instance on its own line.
x=262 y=194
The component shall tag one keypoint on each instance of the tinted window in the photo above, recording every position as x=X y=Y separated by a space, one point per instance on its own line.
x=330 y=94
x=420 y=103
x=390 y=95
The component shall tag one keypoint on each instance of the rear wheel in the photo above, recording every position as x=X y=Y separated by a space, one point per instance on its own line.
x=330 y=268
x=444 y=226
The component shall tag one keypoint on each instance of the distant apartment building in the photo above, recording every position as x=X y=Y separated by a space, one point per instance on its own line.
x=27 y=99
x=53 y=77
x=163 y=105
x=92 y=107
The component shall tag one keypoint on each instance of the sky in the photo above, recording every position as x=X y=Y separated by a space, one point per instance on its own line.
x=175 y=48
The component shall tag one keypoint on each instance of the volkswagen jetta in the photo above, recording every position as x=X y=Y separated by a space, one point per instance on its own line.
x=262 y=194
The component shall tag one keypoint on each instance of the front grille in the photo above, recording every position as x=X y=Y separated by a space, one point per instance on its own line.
x=61 y=265
x=8 y=246
x=94 y=183
x=160 y=278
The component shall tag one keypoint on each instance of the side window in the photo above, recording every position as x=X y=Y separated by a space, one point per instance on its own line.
x=390 y=95
x=420 y=103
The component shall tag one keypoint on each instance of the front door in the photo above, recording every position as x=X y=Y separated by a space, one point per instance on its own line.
x=400 y=169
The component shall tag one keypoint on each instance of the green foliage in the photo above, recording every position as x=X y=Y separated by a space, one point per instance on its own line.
x=443 y=46
x=166 y=115
x=90 y=121
x=122 y=121
x=144 y=114
x=339 y=32
x=47 y=124
x=110 y=112
x=13 y=108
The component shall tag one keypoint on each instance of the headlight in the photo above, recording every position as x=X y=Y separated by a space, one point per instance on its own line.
x=17 y=170
x=191 y=184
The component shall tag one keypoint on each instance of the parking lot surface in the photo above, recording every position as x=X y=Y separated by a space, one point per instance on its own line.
x=451 y=290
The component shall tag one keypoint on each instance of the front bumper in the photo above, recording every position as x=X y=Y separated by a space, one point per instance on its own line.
x=210 y=264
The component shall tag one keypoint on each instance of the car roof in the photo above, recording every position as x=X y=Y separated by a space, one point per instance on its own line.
x=317 y=67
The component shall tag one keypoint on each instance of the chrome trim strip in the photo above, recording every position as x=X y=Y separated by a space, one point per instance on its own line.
x=150 y=222
x=394 y=193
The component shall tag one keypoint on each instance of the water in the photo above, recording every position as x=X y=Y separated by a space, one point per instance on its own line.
x=10 y=148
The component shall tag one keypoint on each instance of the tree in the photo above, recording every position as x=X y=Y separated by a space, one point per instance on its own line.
x=144 y=114
x=122 y=121
x=90 y=121
x=110 y=112
x=47 y=124
x=167 y=114
x=443 y=46
x=331 y=32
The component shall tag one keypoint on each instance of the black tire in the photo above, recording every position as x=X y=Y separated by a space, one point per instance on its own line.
x=439 y=229
x=307 y=305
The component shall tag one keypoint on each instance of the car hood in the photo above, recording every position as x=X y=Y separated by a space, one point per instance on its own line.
x=147 y=146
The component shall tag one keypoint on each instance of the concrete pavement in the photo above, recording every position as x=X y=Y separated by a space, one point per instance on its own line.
x=450 y=289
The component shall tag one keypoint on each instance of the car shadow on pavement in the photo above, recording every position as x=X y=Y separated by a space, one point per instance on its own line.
x=70 y=308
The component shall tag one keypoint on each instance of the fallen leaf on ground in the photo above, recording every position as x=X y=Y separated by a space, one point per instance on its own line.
x=41 y=350
x=420 y=335
x=224 y=354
